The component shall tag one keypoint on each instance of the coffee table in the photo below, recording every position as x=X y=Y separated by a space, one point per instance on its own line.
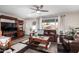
x=41 y=39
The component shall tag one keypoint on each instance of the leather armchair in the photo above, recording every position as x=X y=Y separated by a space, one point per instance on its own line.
x=74 y=46
x=71 y=45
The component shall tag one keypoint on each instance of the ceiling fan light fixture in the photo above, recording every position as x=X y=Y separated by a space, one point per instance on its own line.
x=38 y=12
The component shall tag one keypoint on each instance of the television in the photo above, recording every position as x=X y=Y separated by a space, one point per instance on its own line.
x=8 y=26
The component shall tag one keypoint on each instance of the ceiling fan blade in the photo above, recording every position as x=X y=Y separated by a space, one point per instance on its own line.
x=36 y=6
x=33 y=9
x=44 y=10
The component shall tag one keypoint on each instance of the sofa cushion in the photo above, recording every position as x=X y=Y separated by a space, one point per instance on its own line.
x=69 y=37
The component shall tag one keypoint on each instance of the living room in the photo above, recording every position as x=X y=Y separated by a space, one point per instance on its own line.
x=39 y=28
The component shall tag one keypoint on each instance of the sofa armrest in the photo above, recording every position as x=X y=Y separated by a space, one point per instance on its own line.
x=74 y=46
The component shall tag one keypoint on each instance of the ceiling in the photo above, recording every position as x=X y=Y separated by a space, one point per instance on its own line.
x=24 y=11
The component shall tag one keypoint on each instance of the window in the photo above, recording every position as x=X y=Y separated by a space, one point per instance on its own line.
x=50 y=24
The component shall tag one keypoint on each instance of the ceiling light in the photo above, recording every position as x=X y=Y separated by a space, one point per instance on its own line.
x=38 y=12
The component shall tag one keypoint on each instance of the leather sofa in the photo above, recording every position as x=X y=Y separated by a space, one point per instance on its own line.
x=70 y=44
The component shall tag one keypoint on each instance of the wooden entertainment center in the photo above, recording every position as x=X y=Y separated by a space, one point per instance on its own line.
x=12 y=28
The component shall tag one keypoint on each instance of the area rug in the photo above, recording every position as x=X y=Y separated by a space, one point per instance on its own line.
x=22 y=47
x=17 y=48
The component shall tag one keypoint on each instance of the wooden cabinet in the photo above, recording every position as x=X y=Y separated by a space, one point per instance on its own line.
x=20 y=31
x=14 y=26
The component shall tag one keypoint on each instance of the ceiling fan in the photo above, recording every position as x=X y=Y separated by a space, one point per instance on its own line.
x=38 y=8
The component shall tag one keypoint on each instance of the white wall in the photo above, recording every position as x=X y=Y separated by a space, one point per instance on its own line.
x=70 y=20
x=65 y=21
x=28 y=25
